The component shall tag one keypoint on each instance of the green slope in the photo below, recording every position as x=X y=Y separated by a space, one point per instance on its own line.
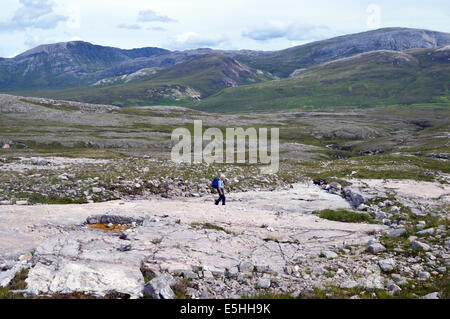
x=368 y=79
x=183 y=83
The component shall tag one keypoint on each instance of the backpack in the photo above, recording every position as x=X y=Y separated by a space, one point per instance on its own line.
x=215 y=182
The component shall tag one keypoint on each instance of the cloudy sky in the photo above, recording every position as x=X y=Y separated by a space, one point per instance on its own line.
x=181 y=24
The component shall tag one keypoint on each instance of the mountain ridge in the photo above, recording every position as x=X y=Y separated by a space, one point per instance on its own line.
x=75 y=67
x=368 y=79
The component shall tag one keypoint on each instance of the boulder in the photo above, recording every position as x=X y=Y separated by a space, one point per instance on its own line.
x=428 y=231
x=394 y=289
x=41 y=162
x=433 y=295
x=189 y=274
x=246 y=266
x=263 y=283
x=159 y=287
x=417 y=245
x=124 y=247
x=399 y=279
x=8 y=275
x=397 y=233
x=387 y=265
x=349 y=284
x=216 y=271
x=380 y=215
x=232 y=272
x=328 y=254
x=375 y=248
x=354 y=197
x=424 y=275
x=112 y=219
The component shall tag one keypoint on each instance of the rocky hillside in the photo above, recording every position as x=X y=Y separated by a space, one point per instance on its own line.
x=185 y=82
x=283 y=63
x=366 y=79
x=66 y=64
x=75 y=63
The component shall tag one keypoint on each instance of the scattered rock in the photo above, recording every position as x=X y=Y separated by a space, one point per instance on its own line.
x=394 y=289
x=397 y=233
x=376 y=248
x=429 y=231
x=189 y=274
x=417 y=245
x=354 y=197
x=232 y=272
x=328 y=254
x=433 y=295
x=8 y=275
x=387 y=265
x=96 y=190
x=112 y=219
x=160 y=287
x=125 y=247
x=349 y=284
x=246 y=266
x=380 y=215
x=399 y=279
x=41 y=162
x=424 y=275
x=263 y=283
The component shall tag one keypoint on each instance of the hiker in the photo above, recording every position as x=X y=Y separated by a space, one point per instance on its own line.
x=220 y=189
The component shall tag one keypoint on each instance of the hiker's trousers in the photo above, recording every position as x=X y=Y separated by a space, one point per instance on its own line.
x=221 y=197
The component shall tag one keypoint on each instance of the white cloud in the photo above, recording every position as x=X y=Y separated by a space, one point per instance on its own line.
x=239 y=21
x=33 y=40
x=157 y=29
x=289 y=31
x=193 y=40
x=36 y=14
x=152 y=16
x=129 y=26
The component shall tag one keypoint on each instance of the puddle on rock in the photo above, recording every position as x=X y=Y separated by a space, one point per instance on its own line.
x=115 y=227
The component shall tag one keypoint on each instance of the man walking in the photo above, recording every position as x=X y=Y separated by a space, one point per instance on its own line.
x=221 y=190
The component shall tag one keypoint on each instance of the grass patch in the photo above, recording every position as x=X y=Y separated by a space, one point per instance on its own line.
x=17 y=283
x=210 y=226
x=36 y=198
x=343 y=215
x=269 y=296
x=180 y=288
x=157 y=241
x=410 y=291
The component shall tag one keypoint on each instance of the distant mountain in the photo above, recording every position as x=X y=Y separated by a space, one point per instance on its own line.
x=283 y=63
x=64 y=64
x=184 y=82
x=93 y=73
x=367 y=79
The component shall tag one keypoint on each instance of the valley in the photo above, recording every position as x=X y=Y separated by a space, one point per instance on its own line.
x=359 y=207
x=92 y=206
